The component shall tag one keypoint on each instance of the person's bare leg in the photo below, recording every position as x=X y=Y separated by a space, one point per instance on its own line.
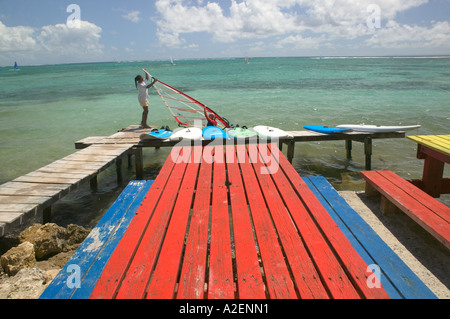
x=144 y=117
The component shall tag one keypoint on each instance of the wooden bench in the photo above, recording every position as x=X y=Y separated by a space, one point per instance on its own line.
x=80 y=274
x=398 y=193
x=397 y=278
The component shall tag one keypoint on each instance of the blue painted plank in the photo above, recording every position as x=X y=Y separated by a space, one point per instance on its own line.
x=64 y=284
x=364 y=237
x=392 y=292
x=96 y=269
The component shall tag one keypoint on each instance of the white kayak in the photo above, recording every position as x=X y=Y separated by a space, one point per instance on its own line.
x=271 y=132
x=188 y=133
x=377 y=128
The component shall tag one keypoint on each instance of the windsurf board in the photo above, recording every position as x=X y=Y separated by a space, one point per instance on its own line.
x=160 y=134
x=271 y=132
x=241 y=133
x=377 y=128
x=213 y=132
x=326 y=129
x=188 y=133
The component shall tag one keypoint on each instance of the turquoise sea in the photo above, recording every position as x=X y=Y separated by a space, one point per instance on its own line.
x=45 y=109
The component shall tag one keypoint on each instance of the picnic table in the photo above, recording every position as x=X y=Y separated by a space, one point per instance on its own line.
x=435 y=150
x=234 y=221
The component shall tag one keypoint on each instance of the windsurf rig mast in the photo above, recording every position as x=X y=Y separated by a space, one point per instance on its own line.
x=185 y=109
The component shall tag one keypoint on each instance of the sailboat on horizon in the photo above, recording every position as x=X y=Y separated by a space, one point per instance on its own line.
x=16 y=67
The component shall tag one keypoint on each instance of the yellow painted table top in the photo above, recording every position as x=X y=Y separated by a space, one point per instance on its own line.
x=440 y=143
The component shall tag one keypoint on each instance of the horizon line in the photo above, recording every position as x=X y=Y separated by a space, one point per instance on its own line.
x=255 y=57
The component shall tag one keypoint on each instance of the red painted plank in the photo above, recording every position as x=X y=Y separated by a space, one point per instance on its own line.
x=250 y=284
x=164 y=278
x=306 y=277
x=353 y=264
x=279 y=283
x=192 y=279
x=118 y=263
x=426 y=218
x=428 y=201
x=135 y=281
x=221 y=284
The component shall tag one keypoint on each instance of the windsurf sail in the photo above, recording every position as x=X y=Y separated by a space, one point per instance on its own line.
x=185 y=109
x=16 y=67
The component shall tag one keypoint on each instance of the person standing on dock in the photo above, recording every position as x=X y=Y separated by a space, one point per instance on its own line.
x=142 y=87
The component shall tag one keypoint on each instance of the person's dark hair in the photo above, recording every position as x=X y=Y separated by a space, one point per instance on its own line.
x=136 y=79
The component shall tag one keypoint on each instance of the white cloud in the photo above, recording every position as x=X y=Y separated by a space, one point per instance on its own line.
x=133 y=16
x=295 y=23
x=299 y=42
x=395 y=35
x=60 y=37
x=51 y=43
x=16 y=38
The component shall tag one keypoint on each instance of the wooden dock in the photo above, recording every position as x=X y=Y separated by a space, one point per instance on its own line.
x=131 y=135
x=30 y=197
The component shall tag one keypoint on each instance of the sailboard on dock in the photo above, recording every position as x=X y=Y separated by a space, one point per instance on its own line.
x=186 y=110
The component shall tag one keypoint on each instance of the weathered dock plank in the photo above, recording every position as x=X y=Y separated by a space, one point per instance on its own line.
x=23 y=199
x=35 y=192
x=10 y=217
x=55 y=179
x=69 y=166
x=31 y=189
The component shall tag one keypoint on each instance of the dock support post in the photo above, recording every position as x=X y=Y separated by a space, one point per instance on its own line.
x=348 y=148
x=119 y=170
x=368 y=152
x=47 y=215
x=129 y=159
x=290 y=151
x=93 y=183
x=139 y=162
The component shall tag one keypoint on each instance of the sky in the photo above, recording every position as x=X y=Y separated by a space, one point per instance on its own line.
x=36 y=32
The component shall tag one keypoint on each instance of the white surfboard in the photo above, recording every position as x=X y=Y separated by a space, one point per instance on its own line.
x=377 y=128
x=188 y=133
x=271 y=132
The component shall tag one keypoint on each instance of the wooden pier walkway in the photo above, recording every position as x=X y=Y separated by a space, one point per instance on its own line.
x=234 y=221
x=30 y=197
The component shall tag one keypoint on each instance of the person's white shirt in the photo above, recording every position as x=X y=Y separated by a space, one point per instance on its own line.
x=143 y=91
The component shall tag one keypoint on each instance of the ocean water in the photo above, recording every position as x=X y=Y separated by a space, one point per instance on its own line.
x=45 y=109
